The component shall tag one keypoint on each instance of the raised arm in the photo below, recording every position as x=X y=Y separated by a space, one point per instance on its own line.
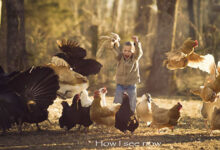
x=138 y=49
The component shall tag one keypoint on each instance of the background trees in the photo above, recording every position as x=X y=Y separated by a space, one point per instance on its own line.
x=29 y=30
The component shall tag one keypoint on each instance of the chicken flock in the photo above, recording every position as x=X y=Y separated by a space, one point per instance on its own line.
x=26 y=95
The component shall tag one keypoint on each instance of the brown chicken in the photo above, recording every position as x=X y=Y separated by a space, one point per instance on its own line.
x=207 y=112
x=211 y=86
x=215 y=119
x=185 y=56
x=102 y=115
x=165 y=117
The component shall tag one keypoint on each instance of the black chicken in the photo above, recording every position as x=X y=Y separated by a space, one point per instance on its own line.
x=74 y=56
x=25 y=96
x=69 y=115
x=74 y=114
x=125 y=118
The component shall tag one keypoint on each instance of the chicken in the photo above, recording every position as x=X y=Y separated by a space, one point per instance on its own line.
x=103 y=91
x=107 y=42
x=70 y=82
x=211 y=86
x=125 y=118
x=207 y=111
x=185 y=56
x=72 y=68
x=70 y=115
x=25 y=96
x=75 y=114
x=102 y=115
x=86 y=101
x=165 y=117
x=143 y=108
x=74 y=55
x=215 y=119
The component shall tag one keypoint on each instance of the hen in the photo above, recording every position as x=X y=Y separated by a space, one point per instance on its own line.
x=185 y=56
x=102 y=115
x=75 y=114
x=143 y=108
x=165 y=117
x=107 y=42
x=125 y=118
x=74 y=56
x=70 y=115
x=72 y=67
x=211 y=86
x=25 y=96
x=87 y=101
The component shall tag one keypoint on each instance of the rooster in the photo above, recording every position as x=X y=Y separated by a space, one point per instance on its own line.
x=143 y=108
x=72 y=68
x=102 y=115
x=165 y=117
x=211 y=87
x=185 y=56
x=125 y=118
x=26 y=95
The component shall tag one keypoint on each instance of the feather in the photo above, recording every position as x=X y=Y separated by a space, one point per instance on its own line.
x=59 y=61
x=203 y=63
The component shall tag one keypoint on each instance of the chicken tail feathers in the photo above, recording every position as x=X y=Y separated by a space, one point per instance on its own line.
x=38 y=84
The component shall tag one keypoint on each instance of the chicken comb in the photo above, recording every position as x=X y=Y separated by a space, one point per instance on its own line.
x=77 y=96
x=97 y=92
x=196 y=43
x=180 y=104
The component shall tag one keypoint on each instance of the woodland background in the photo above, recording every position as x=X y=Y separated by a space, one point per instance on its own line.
x=29 y=30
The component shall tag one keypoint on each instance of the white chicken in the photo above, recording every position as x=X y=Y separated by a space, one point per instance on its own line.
x=143 y=108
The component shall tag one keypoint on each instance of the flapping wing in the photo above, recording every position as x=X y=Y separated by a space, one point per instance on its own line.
x=204 y=63
x=71 y=49
x=175 y=55
x=86 y=67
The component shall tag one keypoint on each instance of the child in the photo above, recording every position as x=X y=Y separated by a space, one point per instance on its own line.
x=127 y=72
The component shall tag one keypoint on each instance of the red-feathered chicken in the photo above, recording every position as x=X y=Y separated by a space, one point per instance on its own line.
x=185 y=56
x=211 y=86
x=162 y=117
x=102 y=115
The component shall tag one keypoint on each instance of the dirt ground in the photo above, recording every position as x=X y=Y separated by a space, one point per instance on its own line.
x=189 y=134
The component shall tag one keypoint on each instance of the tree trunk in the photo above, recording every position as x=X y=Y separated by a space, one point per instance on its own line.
x=161 y=80
x=143 y=16
x=3 y=33
x=192 y=33
x=116 y=15
x=16 y=53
